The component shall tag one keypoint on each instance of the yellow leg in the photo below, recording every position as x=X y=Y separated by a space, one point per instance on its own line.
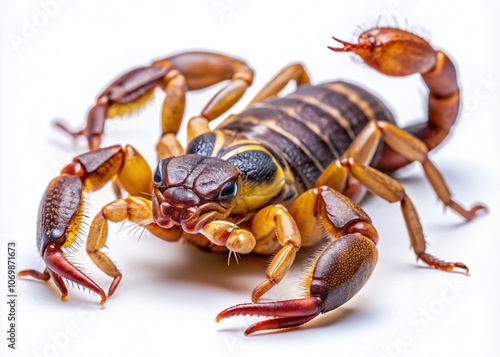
x=270 y=223
x=197 y=70
x=414 y=149
x=169 y=146
x=352 y=172
x=134 y=209
x=295 y=72
x=223 y=233
x=404 y=144
x=171 y=117
x=219 y=104
x=389 y=189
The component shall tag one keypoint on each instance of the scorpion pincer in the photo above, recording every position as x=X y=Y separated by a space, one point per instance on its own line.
x=284 y=173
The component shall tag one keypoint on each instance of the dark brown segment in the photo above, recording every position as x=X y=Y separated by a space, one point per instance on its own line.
x=348 y=110
x=380 y=109
x=133 y=84
x=59 y=204
x=93 y=160
x=339 y=211
x=330 y=138
x=203 y=69
x=95 y=125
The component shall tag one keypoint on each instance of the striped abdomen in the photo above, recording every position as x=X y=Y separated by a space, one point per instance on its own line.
x=310 y=127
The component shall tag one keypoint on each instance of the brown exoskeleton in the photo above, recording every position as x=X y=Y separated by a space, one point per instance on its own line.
x=284 y=173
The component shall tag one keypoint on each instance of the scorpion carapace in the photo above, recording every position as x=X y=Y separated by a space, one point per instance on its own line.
x=284 y=173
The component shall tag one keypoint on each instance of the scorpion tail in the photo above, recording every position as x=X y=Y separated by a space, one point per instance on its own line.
x=396 y=52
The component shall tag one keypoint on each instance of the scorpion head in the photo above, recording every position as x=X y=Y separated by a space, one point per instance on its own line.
x=193 y=190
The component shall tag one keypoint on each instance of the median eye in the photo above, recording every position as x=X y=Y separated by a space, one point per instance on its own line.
x=228 y=191
x=158 y=176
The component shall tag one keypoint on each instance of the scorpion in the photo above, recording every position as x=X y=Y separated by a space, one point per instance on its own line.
x=286 y=172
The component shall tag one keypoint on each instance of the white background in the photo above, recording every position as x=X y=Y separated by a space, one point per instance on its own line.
x=54 y=64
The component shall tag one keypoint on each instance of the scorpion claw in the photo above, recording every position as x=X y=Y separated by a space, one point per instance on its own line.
x=59 y=221
x=287 y=313
x=340 y=270
x=59 y=267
